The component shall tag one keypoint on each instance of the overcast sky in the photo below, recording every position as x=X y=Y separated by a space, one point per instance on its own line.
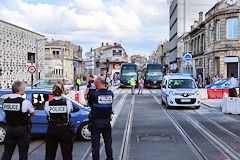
x=138 y=24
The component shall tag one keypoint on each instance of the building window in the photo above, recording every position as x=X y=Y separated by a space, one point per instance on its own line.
x=120 y=51
x=232 y=28
x=114 y=51
x=218 y=31
x=29 y=57
x=56 y=52
x=210 y=36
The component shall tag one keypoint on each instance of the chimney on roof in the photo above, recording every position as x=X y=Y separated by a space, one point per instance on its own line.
x=107 y=44
x=102 y=44
x=196 y=23
x=200 y=17
x=192 y=27
x=91 y=49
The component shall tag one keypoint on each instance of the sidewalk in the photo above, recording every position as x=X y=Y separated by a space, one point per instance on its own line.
x=213 y=103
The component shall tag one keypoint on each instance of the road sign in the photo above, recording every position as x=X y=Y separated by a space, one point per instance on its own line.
x=75 y=64
x=32 y=69
x=188 y=57
x=88 y=54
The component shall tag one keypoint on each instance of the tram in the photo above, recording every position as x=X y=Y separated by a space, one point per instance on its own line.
x=126 y=72
x=153 y=73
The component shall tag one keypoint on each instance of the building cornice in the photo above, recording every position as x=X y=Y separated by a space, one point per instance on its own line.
x=21 y=28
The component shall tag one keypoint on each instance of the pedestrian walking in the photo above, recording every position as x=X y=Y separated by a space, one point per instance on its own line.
x=140 y=87
x=132 y=84
x=90 y=86
x=18 y=111
x=100 y=102
x=199 y=81
x=232 y=86
x=208 y=80
x=60 y=129
x=78 y=82
x=215 y=79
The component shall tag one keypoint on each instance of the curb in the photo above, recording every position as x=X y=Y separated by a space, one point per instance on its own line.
x=203 y=103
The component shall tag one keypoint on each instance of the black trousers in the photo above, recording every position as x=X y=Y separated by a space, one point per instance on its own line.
x=16 y=135
x=77 y=87
x=56 y=135
x=101 y=126
x=232 y=92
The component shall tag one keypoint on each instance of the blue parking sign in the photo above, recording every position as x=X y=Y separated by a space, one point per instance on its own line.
x=188 y=57
x=75 y=63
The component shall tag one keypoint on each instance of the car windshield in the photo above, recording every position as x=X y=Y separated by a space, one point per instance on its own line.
x=181 y=84
x=154 y=75
x=221 y=82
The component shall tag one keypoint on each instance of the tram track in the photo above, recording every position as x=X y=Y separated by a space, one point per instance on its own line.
x=224 y=140
x=117 y=110
x=188 y=140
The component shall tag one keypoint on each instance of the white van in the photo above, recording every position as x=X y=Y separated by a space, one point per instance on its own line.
x=180 y=90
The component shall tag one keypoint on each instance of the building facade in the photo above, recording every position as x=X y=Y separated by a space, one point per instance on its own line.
x=59 y=61
x=108 y=58
x=182 y=14
x=222 y=39
x=139 y=60
x=162 y=54
x=214 y=43
x=75 y=52
x=17 y=46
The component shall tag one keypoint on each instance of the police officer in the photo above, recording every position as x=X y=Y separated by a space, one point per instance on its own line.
x=18 y=111
x=60 y=130
x=90 y=86
x=100 y=102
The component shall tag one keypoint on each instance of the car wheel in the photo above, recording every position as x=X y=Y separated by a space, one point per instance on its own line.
x=197 y=107
x=83 y=132
x=2 y=133
x=163 y=101
x=168 y=107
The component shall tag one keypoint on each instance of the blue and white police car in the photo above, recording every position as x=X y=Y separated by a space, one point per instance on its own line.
x=180 y=90
x=39 y=121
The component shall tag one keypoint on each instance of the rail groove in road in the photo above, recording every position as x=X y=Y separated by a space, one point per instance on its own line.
x=221 y=138
x=88 y=155
x=186 y=137
x=127 y=132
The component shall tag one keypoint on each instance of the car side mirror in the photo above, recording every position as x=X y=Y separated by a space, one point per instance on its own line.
x=35 y=85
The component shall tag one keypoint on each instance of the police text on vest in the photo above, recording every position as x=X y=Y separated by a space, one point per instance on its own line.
x=58 y=109
x=11 y=106
x=105 y=99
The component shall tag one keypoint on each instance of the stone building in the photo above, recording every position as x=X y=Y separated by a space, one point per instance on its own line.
x=181 y=15
x=108 y=58
x=58 y=66
x=214 y=43
x=162 y=54
x=17 y=46
x=75 y=54
x=139 y=60
x=193 y=43
x=222 y=39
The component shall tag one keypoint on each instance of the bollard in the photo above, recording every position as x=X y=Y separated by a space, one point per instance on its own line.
x=77 y=97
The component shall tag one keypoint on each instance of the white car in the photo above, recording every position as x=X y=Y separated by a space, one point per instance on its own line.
x=180 y=90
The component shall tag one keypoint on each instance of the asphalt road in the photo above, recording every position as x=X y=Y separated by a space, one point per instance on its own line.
x=143 y=129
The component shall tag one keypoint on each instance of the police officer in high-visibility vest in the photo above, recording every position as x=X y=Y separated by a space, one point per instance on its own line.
x=100 y=102
x=133 y=84
x=18 y=111
x=60 y=130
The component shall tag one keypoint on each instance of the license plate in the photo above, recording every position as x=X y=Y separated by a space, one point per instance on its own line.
x=185 y=100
